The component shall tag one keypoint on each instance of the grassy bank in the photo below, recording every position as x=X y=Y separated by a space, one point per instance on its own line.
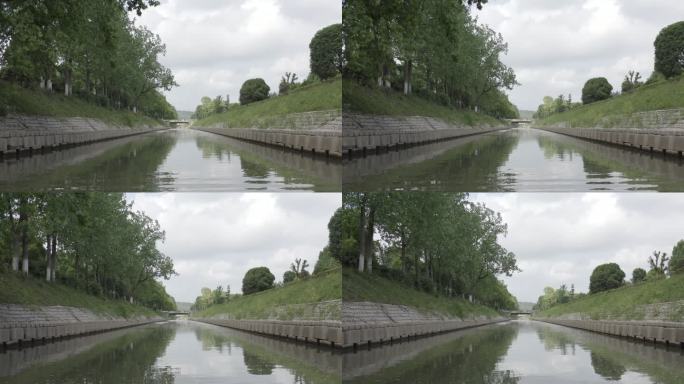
x=609 y=113
x=625 y=302
x=375 y=101
x=20 y=100
x=34 y=292
x=263 y=305
x=370 y=287
x=316 y=97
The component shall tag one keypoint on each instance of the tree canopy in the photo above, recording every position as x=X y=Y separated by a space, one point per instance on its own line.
x=606 y=276
x=256 y=280
x=669 y=50
x=253 y=90
x=326 y=52
x=596 y=89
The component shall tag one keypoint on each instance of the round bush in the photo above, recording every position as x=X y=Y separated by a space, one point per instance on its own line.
x=605 y=277
x=257 y=280
x=326 y=52
x=596 y=89
x=253 y=90
x=669 y=50
x=638 y=275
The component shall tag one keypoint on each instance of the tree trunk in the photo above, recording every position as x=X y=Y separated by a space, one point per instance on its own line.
x=362 y=235
x=53 y=266
x=25 y=250
x=415 y=260
x=48 y=258
x=408 y=69
x=403 y=253
x=369 y=240
x=16 y=251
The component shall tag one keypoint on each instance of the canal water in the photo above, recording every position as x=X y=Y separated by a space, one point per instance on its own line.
x=172 y=160
x=520 y=351
x=171 y=352
x=520 y=159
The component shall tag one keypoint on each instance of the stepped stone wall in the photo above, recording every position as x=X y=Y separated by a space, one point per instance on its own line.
x=20 y=323
x=21 y=133
x=366 y=323
x=367 y=132
x=317 y=132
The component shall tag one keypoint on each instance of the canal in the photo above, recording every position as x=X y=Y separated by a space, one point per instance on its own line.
x=171 y=160
x=171 y=352
x=520 y=351
x=519 y=159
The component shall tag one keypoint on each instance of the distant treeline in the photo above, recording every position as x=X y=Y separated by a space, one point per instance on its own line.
x=94 y=242
x=90 y=49
x=434 y=49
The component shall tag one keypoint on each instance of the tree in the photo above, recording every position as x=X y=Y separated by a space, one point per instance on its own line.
x=299 y=268
x=256 y=280
x=326 y=54
x=638 y=275
x=658 y=263
x=253 y=90
x=289 y=277
x=325 y=261
x=677 y=260
x=287 y=82
x=669 y=50
x=596 y=89
x=606 y=276
x=631 y=82
x=343 y=237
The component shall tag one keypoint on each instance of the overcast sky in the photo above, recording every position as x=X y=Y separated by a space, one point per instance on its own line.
x=560 y=238
x=555 y=46
x=214 y=239
x=213 y=46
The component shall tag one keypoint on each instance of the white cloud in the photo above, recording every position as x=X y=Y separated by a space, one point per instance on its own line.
x=214 y=239
x=560 y=238
x=555 y=46
x=213 y=46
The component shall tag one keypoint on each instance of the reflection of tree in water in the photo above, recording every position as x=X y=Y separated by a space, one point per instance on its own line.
x=254 y=169
x=556 y=340
x=471 y=358
x=213 y=340
x=257 y=365
x=213 y=148
x=555 y=148
x=606 y=367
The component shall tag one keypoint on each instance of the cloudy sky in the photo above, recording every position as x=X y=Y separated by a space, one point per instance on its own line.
x=213 y=46
x=555 y=46
x=560 y=238
x=214 y=239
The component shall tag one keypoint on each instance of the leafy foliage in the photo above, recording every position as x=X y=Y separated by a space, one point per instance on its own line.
x=326 y=52
x=605 y=277
x=669 y=50
x=256 y=280
x=638 y=275
x=631 y=82
x=596 y=89
x=676 y=264
x=253 y=90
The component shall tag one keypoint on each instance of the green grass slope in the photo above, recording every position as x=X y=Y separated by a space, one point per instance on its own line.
x=624 y=302
x=20 y=100
x=324 y=287
x=34 y=292
x=661 y=95
x=370 y=287
x=373 y=101
x=322 y=96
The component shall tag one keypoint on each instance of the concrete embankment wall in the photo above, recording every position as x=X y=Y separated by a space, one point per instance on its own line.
x=23 y=133
x=373 y=132
x=659 y=131
x=318 y=132
x=656 y=331
x=365 y=323
x=21 y=324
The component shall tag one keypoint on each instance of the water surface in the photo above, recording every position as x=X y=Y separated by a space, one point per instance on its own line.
x=172 y=160
x=171 y=352
x=521 y=159
x=520 y=351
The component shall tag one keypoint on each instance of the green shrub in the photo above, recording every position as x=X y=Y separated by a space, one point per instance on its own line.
x=677 y=259
x=596 y=89
x=638 y=275
x=669 y=50
x=606 y=276
x=326 y=52
x=253 y=90
x=257 y=280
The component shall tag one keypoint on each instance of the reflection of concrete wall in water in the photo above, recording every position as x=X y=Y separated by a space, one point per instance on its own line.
x=325 y=360
x=619 y=158
x=14 y=170
x=20 y=132
x=330 y=171
x=368 y=132
x=19 y=323
x=317 y=131
x=366 y=322
x=485 y=345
